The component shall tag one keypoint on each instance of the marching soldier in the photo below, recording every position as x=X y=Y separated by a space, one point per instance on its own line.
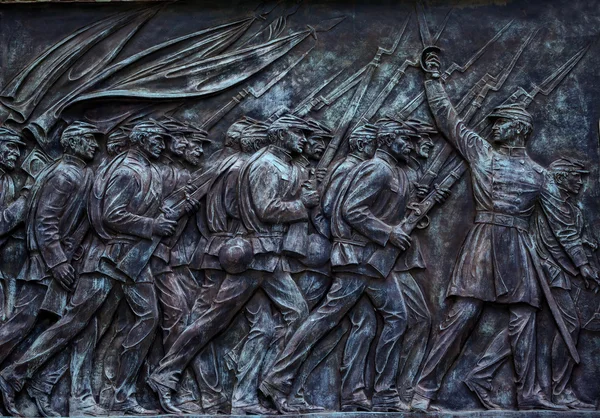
x=56 y=226
x=124 y=209
x=365 y=217
x=13 y=208
x=497 y=263
x=267 y=208
x=362 y=322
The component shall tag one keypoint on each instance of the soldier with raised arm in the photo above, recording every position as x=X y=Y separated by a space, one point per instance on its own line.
x=496 y=263
x=124 y=209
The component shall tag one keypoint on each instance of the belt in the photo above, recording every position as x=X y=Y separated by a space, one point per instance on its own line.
x=510 y=221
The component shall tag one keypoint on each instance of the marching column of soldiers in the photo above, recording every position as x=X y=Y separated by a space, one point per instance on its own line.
x=174 y=248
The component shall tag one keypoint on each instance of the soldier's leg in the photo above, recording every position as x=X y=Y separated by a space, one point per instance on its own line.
x=82 y=355
x=89 y=295
x=314 y=286
x=416 y=336
x=522 y=337
x=562 y=362
x=174 y=306
x=479 y=380
x=24 y=317
x=447 y=344
x=262 y=331
x=233 y=295
x=142 y=299
x=362 y=332
x=205 y=364
x=386 y=297
x=345 y=291
x=319 y=353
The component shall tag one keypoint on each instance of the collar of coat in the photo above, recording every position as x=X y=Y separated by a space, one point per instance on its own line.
x=76 y=161
x=384 y=155
x=512 y=151
x=281 y=153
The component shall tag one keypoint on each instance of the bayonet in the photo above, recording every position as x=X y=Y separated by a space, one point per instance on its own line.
x=309 y=102
x=520 y=95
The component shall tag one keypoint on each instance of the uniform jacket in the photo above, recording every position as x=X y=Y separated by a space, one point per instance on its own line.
x=495 y=262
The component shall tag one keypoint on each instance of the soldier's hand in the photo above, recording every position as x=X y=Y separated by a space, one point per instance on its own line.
x=399 y=238
x=589 y=275
x=64 y=274
x=309 y=198
x=592 y=243
x=432 y=64
x=163 y=227
x=191 y=205
x=320 y=174
x=422 y=190
x=441 y=194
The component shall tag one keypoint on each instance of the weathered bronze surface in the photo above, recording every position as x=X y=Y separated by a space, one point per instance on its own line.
x=284 y=208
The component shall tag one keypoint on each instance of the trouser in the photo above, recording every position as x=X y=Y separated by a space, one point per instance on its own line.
x=456 y=328
x=346 y=290
x=235 y=291
x=177 y=291
x=418 y=327
x=18 y=327
x=256 y=345
x=91 y=293
x=562 y=361
x=361 y=327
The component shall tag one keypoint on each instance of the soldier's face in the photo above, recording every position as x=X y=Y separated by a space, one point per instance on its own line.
x=294 y=140
x=424 y=146
x=503 y=130
x=369 y=146
x=9 y=154
x=194 y=153
x=178 y=144
x=401 y=148
x=314 y=148
x=85 y=147
x=154 y=145
x=573 y=182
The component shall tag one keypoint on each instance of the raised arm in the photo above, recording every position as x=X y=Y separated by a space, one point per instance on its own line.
x=468 y=143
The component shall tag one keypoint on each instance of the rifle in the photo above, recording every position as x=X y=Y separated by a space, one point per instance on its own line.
x=383 y=259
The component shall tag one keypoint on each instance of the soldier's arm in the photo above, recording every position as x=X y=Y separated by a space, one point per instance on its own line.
x=468 y=143
x=13 y=215
x=53 y=200
x=370 y=179
x=270 y=207
x=122 y=188
x=563 y=223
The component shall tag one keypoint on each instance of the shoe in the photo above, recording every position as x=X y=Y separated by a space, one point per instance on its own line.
x=539 y=401
x=397 y=406
x=190 y=407
x=42 y=401
x=300 y=403
x=164 y=396
x=568 y=399
x=278 y=398
x=357 y=406
x=420 y=403
x=257 y=409
x=132 y=407
x=482 y=393
x=86 y=407
x=8 y=396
